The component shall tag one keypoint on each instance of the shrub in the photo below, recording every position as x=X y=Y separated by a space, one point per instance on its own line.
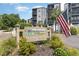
x=60 y=52
x=73 y=31
x=8 y=46
x=26 y=48
x=56 y=42
x=73 y=52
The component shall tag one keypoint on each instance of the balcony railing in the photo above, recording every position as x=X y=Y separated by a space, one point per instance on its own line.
x=34 y=13
x=75 y=13
x=75 y=6
x=75 y=21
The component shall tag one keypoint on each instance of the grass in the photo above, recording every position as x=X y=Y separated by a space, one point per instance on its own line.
x=1 y=49
x=1 y=41
x=73 y=50
x=78 y=52
x=78 y=30
x=3 y=46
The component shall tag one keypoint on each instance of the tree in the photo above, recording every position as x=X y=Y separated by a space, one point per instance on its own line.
x=1 y=24
x=10 y=20
x=40 y=23
x=54 y=13
x=22 y=23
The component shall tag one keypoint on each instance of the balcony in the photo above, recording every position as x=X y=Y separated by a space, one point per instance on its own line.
x=34 y=13
x=75 y=21
x=75 y=13
x=75 y=6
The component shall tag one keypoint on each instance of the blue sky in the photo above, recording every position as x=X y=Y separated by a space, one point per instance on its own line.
x=23 y=9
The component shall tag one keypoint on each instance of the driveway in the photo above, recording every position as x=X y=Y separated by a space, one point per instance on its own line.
x=72 y=41
x=5 y=35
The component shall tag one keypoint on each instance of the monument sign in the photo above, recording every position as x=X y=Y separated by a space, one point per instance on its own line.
x=35 y=33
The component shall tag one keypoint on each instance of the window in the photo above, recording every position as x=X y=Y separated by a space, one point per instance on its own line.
x=73 y=4
x=72 y=18
x=39 y=11
x=78 y=17
x=75 y=18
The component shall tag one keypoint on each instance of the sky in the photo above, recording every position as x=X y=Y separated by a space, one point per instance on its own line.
x=23 y=9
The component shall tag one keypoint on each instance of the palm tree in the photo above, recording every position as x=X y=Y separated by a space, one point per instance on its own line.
x=54 y=13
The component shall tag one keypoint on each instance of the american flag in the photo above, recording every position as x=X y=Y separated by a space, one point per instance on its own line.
x=64 y=25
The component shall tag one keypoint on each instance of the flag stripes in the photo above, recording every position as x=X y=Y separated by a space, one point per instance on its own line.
x=64 y=25
x=61 y=26
x=65 y=22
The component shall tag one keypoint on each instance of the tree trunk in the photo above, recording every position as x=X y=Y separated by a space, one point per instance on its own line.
x=55 y=26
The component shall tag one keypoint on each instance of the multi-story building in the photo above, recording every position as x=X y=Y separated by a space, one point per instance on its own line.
x=71 y=11
x=39 y=15
x=50 y=7
x=29 y=20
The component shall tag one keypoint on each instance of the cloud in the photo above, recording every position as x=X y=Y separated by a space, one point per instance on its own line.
x=22 y=8
x=37 y=6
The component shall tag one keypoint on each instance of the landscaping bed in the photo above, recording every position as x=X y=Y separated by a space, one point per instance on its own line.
x=53 y=47
x=42 y=50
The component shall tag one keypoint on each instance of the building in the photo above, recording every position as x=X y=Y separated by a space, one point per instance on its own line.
x=39 y=15
x=29 y=20
x=50 y=7
x=71 y=11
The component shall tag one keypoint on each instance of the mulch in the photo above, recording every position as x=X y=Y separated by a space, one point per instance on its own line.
x=43 y=50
